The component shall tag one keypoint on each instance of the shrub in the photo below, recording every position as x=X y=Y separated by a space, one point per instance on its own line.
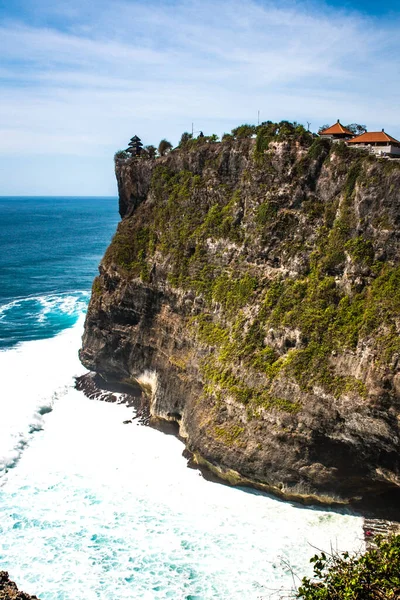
x=374 y=575
x=266 y=132
x=266 y=212
x=281 y=132
x=149 y=152
x=360 y=250
x=244 y=131
x=319 y=147
x=121 y=154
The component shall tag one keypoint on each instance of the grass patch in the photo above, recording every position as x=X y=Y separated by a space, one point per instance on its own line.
x=229 y=434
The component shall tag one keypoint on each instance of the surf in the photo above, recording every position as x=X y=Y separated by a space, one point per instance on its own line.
x=34 y=375
x=98 y=508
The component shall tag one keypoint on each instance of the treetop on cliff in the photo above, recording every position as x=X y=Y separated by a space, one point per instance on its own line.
x=164 y=147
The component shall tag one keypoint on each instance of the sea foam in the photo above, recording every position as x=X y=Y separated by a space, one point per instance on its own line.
x=95 y=508
x=33 y=375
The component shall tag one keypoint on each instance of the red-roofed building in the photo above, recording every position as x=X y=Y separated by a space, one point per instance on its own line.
x=337 y=132
x=378 y=142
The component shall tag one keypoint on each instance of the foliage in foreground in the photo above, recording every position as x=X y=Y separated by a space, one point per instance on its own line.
x=375 y=575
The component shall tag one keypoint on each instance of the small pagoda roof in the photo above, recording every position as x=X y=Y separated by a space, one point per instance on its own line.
x=135 y=138
x=371 y=137
x=336 y=129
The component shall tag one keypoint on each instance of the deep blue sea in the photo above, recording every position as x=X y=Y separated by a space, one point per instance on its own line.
x=49 y=252
x=92 y=507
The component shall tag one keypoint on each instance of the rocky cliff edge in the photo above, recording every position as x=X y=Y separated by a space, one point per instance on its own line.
x=253 y=290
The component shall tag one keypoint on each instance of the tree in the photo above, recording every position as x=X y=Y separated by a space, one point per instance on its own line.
x=374 y=575
x=356 y=128
x=164 y=147
x=121 y=154
x=244 y=131
x=323 y=127
x=149 y=151
x=185 y=137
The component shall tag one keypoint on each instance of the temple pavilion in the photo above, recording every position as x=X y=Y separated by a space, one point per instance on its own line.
x=377 y=142
x=337 y=132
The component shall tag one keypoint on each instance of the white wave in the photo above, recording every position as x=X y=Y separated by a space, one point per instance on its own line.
x=65 y=303
x=9 y=305
x=68 y=303
x=34 y=374
x=99 y=509
x=95 y=508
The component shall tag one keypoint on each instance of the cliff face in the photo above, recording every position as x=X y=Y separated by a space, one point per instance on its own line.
x=252 y=288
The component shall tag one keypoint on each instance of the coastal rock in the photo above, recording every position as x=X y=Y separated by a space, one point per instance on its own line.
x=9 y=590
x=253 y=291
x=96 y=388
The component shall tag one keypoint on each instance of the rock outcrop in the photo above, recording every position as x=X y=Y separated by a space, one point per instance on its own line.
x=9 y=590
x=253 y=290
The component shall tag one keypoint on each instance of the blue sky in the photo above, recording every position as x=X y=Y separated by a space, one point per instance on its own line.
x=79 y=78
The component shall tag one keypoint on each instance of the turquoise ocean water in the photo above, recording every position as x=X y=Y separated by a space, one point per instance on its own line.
x=91 y=508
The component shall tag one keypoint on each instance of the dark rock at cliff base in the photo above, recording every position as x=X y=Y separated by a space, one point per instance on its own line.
x=9 y=590
x=96 y=388
x=253 y=288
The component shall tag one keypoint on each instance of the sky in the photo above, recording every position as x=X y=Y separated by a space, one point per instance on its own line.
x=79 y=78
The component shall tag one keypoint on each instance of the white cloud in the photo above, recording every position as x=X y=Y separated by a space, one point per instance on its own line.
x=83 y=86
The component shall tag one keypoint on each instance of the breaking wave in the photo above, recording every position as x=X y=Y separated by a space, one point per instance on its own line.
x=38 y=317
x=33 y=376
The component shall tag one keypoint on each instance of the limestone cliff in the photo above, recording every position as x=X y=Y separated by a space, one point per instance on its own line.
x=252 y=287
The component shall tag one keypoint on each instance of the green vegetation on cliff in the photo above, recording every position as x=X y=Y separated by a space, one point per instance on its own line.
x=258 y=279
x=273 y=320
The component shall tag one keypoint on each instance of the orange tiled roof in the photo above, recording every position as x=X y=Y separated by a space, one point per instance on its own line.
x=373 y=136
x=336 y=129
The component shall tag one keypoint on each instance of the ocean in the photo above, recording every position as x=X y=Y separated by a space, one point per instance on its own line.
x=90 y=507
